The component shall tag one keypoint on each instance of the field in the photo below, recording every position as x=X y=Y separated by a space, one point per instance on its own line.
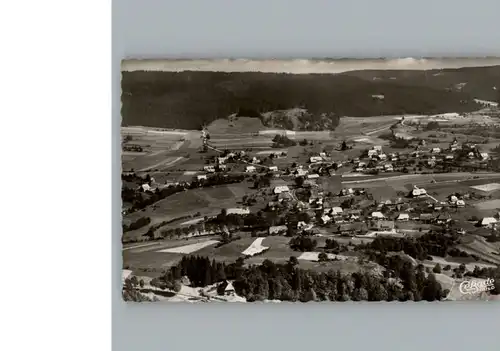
x=188 y=249
x=489 y=205
x=487 y=187
x=161 y=149
x=255 y=248
x=205 y=201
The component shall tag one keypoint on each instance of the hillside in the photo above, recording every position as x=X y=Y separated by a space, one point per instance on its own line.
x=188 y=99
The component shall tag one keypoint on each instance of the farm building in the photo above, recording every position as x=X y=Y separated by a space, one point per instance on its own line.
x=403 y=217
x=418 y=192
x=436 y=150
x=250 y=169
x=377 y=215
x=278 y=229
x=273 y=168
x=372 y=153
x=443 y=218
x=488 y=221
x=146 y=187
x=315 y=159
x=201 y=177
x=209 y=169
x=326 y=219
x=304 y=226
x=345 y=192
x=125 y=275
x=301 y=172
x=484 y=155
x=238 y=211
x=280 y=189
x=222 y=159
x=388 y=167
x=425 y=217
x=313 y=176
x=384 y=225
x=460 y=203
x=336 y=210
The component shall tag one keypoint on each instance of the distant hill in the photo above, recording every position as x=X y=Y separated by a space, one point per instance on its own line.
x=187 y=100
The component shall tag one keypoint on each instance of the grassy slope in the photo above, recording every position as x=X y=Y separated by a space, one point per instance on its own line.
x=188 y=99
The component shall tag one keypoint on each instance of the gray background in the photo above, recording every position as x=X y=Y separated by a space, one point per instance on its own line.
x=300 y=29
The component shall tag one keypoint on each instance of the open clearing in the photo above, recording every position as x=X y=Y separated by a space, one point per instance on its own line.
x=487 y=187
x=313 y=256
x=190 y=173
x=255 y=248
x=187 y=249
x=193 y=221
x=489 y=205
x=469 y=266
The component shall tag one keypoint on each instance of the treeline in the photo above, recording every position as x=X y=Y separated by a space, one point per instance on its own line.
x=283 y=141
x=437 y=244
x=187 y=100
x=141 y=222
x=287 y=282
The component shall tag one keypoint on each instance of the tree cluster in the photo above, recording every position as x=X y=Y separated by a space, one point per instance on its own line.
x=287 y=282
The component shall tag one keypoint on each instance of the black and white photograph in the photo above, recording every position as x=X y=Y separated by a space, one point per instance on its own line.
x=310 y=180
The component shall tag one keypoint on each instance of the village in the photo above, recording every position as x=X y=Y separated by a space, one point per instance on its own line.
x=378 y=194
x=316 y=189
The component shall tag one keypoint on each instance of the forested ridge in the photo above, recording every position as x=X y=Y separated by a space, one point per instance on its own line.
x=187 y=100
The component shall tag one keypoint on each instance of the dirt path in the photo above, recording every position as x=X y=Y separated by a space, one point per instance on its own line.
x=164 y=163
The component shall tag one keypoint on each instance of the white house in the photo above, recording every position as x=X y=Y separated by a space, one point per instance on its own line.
x=238 y=211
x=301 y=172
x=403 y=217
x=250 y=169
x=453 y=199
x=304 y=226
x=377 y=148
x=313 y=176
x=229 y=290
x=326 y=219
x=278 y=229
x=449 y=157
x=378 y=215
x=388 y=167
x=209 y=169
x=222 y=159
x=382 y=157
x=201 y=177
x=417 y=192
x=280 y=189
x=322 y=154
x=273 y=168
x=484 y=155
x=460 y=203
x=337 y=210
x=315 y=159
x=488 y=221
x=436 y=150
x=146 y=187
x=372 y=153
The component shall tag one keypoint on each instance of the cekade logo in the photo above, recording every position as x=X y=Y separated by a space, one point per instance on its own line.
x=470 y=287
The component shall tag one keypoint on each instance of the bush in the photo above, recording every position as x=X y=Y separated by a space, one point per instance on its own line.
x=437 y=268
